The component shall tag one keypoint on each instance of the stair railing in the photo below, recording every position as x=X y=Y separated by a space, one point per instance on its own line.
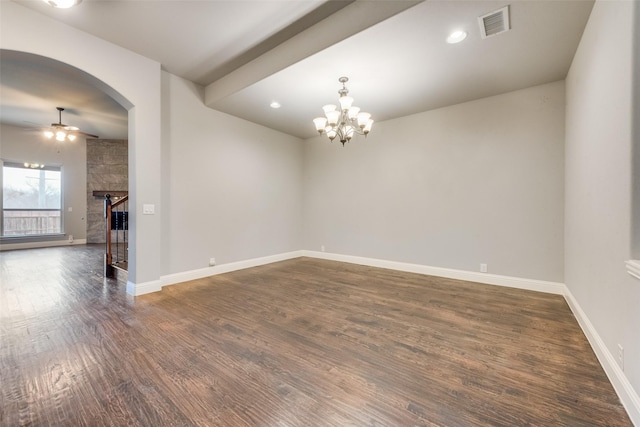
x=116 y=228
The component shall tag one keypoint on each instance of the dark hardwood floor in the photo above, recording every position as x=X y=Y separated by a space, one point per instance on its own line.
x=303 y=342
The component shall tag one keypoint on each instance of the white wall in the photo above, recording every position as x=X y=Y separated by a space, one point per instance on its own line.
x=233 y=188
x=21 y=145
x=132 y=80
x=599 y=141
x=479 y=182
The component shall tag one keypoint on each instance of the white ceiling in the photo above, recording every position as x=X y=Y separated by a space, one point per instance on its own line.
x=249 y=53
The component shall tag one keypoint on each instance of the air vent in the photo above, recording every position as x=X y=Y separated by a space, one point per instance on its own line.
x=495 y=22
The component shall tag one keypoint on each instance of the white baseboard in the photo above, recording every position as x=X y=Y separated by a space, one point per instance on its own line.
x=36 y=245
x=628 y=396
x=471 y=276
x=171 y=279
x=136 y=289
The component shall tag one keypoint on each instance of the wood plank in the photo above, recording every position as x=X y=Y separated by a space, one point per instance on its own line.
x=303 y=342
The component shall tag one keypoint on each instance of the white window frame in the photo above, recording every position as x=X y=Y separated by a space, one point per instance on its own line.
x=16 y=164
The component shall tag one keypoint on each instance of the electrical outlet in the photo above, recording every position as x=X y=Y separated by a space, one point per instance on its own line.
x=621 y=356
x=483 y=268
x=70 y=238
x=212 y=262
x=322 y=248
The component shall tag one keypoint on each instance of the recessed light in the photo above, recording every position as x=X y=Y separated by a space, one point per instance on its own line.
x=275 y=104
x=62 y=4
x=456 y=37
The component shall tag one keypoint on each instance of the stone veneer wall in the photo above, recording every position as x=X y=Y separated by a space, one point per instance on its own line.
x=107 y=170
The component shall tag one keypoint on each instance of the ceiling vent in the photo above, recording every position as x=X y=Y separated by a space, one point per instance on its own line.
x=495 y=22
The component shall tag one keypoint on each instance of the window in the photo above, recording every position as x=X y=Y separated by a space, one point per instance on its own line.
x=31 y=199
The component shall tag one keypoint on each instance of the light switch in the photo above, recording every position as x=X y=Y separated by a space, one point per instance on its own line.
x=70 y=209
x=148 y=209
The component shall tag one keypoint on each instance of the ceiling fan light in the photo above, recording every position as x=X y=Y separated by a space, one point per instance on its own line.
x=48 y=134
x=60 y=135
x=71 y=137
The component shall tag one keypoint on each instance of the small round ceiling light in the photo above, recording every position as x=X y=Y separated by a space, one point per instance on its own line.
x=275 y=105
x=62 y=4
x=456 y=37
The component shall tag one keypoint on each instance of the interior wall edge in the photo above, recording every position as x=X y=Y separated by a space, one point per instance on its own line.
x=136 y=289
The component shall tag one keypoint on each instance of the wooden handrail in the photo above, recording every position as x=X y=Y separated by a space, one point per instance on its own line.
x=120 y=201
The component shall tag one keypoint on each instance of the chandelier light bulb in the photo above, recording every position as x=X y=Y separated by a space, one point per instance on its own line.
x=328 y=108
x=345 y=102
x=48 y=134
x=367 y=127
x=321 y=123
x=60 y=135
x=332 y=117
x=363 y=118
x=349 y=131
x=353 y=112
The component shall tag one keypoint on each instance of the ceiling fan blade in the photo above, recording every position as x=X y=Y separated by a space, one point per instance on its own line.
x=65 y=127
x=39 y=125
x=90 y=135
x=36 y=127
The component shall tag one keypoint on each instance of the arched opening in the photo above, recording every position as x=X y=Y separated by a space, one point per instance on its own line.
x=94 y=162
x=135 y=83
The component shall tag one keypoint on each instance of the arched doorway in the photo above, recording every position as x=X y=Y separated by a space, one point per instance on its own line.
x=135 y=83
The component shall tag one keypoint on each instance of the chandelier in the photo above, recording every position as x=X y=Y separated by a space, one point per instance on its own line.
x=345 y=120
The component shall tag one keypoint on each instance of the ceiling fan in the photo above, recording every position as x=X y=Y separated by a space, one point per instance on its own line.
x=64 y=132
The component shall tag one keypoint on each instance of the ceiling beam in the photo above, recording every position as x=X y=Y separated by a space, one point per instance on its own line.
x=321 y=12
x=310 y=35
